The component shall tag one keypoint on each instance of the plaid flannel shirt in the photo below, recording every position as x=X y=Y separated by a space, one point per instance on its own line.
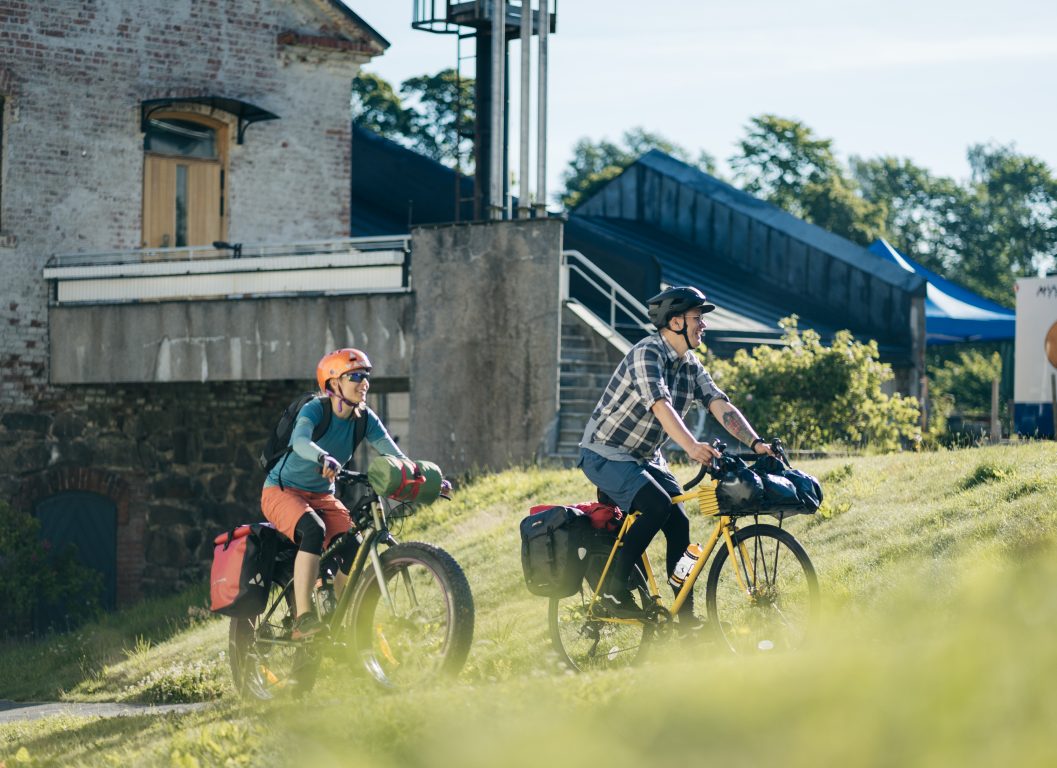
x=651 y=371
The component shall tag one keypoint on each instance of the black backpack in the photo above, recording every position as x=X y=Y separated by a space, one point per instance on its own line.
x=554 y=547
x=277 y=446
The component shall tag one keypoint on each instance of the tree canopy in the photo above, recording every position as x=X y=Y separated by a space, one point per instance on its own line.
x=431 y=114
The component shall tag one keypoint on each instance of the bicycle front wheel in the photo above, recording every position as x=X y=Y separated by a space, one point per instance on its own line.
x=585 y=640
x=265 y=661
x=766 y=597
x=427 y=630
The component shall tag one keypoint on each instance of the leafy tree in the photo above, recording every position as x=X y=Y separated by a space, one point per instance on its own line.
x=1006 y=226
x=782 y=161
x=919 y=208
x=441 y=114
x=596 y=162
x=377 y=107
x=779 y=158
x=818 y=395
x=966 y=380
x=431 y=114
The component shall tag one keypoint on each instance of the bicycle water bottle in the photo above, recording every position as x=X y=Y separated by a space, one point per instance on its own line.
x=682 y=568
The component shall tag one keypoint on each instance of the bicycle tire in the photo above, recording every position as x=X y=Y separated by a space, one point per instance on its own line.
x=778 y=607
x=583 y=644
x=430 y=635
x=265 y=663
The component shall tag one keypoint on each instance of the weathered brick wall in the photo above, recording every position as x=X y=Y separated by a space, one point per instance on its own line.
x=73 y=75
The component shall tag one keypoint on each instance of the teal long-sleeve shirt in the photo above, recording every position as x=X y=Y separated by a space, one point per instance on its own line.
x=300 y=468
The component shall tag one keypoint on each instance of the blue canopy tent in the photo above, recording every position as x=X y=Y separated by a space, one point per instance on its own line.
x=953 y=313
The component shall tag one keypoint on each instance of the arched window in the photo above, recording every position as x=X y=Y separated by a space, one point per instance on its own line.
x=183 y=180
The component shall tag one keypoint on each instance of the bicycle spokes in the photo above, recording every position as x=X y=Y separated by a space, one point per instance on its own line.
x=766 y=596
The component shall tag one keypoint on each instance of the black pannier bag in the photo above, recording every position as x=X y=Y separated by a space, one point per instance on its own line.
x=554 y=547
x=739 y=487
x=241 y=575
x=785 y=485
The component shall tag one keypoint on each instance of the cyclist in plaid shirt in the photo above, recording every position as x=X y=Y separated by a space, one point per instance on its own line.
x=643 y=406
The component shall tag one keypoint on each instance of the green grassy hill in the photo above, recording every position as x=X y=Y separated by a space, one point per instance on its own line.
x=939 y=584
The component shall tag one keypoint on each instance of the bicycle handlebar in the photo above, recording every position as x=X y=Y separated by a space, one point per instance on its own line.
x=350 y=476
x=715 y=465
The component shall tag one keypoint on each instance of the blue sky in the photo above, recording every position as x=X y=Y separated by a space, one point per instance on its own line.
x=921 y=80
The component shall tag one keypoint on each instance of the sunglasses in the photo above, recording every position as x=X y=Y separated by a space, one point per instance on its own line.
x=356 y=376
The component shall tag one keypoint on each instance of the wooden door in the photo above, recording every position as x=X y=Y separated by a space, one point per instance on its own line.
x=183 y=181
x=182 y=202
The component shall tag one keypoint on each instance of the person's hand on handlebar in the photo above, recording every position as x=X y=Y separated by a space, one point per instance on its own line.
x=702 y=453
x=763 y=448
x=330 y=467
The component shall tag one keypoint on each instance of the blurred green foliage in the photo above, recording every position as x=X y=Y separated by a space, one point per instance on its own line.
x=816 y=395
x=963 y=384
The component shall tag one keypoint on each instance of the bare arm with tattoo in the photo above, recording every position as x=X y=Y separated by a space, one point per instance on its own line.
x=737 y=425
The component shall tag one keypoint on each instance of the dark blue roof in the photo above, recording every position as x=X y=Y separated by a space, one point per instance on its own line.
x=772 y=215
x=395 y=188
x=745 y=316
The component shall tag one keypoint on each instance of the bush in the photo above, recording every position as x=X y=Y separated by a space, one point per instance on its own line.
x=818 y=395
x=35 y=576
x=961 y=385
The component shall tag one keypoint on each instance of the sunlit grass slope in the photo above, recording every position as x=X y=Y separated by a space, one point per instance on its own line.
x=939 y=577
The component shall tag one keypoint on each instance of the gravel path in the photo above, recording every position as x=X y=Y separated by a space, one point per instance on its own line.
x=12 y=711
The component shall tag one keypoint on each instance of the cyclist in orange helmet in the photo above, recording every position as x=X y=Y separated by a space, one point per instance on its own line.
x=298 y=496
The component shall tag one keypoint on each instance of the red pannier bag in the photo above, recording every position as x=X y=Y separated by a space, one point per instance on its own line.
x=603 y=517
x=241 y=575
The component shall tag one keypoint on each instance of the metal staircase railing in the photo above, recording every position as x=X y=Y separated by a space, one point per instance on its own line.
x=623 y=311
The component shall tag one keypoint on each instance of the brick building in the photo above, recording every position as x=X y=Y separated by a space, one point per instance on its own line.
x=155 y=127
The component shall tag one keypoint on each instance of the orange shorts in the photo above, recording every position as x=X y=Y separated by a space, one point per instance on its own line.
x=284 y=507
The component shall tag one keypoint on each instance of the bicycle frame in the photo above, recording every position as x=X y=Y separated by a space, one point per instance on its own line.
x=724 y=528
x=377 y=534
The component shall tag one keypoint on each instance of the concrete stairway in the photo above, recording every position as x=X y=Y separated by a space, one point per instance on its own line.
x=589 y=353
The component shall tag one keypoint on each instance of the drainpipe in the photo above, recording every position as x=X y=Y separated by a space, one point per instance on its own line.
x=541 y=119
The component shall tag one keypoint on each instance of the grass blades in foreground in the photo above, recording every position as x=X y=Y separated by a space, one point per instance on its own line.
x=937 y=571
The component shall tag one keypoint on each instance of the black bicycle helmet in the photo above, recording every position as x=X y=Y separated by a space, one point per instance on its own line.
x=675 y=301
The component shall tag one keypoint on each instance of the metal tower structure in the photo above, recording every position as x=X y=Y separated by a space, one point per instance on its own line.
x=492 y=24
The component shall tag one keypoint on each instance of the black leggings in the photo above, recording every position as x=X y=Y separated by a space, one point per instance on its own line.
x=657 y=513
x=308 y=535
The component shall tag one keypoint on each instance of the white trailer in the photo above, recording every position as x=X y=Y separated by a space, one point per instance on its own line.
x=1035 y=372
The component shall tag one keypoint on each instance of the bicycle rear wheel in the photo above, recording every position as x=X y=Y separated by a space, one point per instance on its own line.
x=584 y=642
x=428 y=632
x=766 y=599
x=265 y=662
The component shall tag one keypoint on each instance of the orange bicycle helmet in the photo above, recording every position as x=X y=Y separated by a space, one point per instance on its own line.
x=334 y=364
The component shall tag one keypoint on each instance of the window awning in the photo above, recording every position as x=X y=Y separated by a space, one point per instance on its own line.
x=246 y=113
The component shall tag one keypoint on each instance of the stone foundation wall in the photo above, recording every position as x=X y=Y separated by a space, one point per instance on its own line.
x=178 y=460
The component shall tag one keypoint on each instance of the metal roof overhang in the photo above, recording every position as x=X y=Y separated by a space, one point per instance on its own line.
x=246 y=113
